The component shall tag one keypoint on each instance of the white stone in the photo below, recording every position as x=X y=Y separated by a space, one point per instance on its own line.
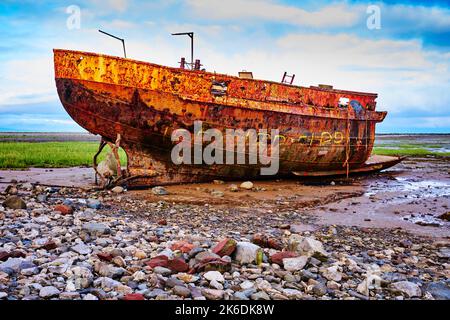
x=295 y=264
x=117 y=189
x=246 y=285
x=307 y=246
x=216 y=285
x=247 y=252
x=248 y=185
x=214 y=275
x=90 y=296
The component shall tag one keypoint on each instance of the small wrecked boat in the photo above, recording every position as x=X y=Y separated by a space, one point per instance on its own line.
x=138 y=105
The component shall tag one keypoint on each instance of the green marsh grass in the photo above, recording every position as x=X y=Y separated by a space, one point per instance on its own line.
x=19 y=155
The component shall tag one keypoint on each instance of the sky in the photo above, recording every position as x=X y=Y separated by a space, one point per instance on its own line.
x=403 y=54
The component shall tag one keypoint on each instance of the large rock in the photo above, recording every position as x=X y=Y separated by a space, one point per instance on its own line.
x=407 y=288
x=307 y=246
x=14 y=202
x=108 y=167
x=225 y=247
x=295 y=264
x=247 y=252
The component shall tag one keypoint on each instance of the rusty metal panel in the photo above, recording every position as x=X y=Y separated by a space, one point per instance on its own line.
x=144 y=103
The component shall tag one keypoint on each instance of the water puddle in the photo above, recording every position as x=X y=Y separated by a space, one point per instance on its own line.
x=424 y=220
x=411 y=189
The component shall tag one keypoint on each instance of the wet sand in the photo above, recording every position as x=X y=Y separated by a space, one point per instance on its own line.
x=410 y=196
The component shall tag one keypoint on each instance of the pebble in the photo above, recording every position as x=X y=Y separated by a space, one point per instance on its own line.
x=214 y=275
x=247 y=185
x=295 y=264
x=14 y=202
x=82 y=248
x=407 y=288
x=204 y=253
x=48 y=292
x=159 y=191
x=181 y=291
x=117 y=189
x=213 y=294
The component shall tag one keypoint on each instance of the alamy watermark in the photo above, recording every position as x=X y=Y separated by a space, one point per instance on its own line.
x=236 y=147
x=74 y=19
x=373 y=21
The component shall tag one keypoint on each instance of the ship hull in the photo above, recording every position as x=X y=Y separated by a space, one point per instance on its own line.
x=106 y=100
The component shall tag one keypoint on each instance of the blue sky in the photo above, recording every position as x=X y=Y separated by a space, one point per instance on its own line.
x=406 y=61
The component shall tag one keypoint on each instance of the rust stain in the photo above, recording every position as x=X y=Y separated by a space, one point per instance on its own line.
x=144 y=102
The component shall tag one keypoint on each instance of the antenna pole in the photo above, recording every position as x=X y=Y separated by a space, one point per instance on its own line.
x=115 y=37
x=191 y=35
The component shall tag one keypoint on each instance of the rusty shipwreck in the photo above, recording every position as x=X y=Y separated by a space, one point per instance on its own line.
x=324 y=131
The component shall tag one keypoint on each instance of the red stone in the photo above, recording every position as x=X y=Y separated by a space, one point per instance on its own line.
x=4 y=255
x=158 y=261
x=50 y=245
x=225 y=247
x=265 y=241
x=213 y=264
x=133 y=296
x=104 y=256
x=177 y=265
x=183 y=246
x=279 y=256
x=17 y=254
x=64 y=209
x=162 y=222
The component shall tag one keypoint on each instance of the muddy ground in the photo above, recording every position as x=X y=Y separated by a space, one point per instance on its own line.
x=378 y=236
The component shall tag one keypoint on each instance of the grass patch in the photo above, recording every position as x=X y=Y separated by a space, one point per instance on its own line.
x=414 y=151
x=18 y=155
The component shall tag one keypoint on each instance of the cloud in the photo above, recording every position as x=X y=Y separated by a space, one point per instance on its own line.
x=408 y=17
x=266 y=10
x=30 y=122
x=119 y=24
x=326 y=44
x=27 y=81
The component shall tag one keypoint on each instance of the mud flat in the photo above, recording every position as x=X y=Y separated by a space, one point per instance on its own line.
x=381 y=236
x=410 y=196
